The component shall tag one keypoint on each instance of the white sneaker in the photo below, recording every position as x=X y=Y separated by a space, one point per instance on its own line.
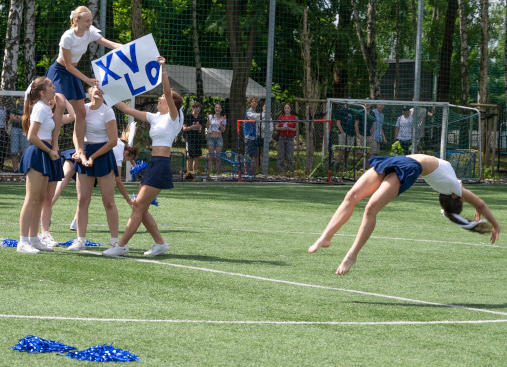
x=157 y=249
x=26 y=248
x=77 y=245
x=48 y=240
x=41 y=246
x=73 y=226
x=112 y=243
x=116 y=250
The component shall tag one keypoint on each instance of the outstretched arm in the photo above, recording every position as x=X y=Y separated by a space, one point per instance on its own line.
x=140 y=115
x=482 y=209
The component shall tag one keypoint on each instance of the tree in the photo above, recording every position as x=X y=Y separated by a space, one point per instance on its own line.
x=197 y=54
x=369 y=47
x=12 y=41
x=340 y=69
x=30 y=72
x=483 y=65
x=444 y=78
x=137 y=20
x=93 y=5
x=463 y=32
x=241 y=53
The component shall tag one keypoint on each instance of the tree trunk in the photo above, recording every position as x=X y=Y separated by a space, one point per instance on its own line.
x=241 y=58
x=12 y=41
x=368 y=47
x=444 y=79
x=482 y=97
x=505 y=56
x=340 y=70
x=197 y=55
x=30 y=65
x=93 y=47
x=397 y=51
x=414 y=22
x=463 y=32
x=137 y=20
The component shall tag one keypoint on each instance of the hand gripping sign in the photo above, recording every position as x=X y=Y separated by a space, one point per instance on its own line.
x=129 y=70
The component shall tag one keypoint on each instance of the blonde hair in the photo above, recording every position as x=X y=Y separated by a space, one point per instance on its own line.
x=77 y=14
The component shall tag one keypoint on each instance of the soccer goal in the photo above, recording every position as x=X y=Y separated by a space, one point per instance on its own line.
x=366 y=127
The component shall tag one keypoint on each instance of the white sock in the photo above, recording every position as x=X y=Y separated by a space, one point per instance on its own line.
x=32 y=239
x=24 y=239
x=81 y=238
x=114 y=239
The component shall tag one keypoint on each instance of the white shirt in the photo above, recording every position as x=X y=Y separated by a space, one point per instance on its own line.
x=214 y=125
x=96 y=120
x=118 y=152
x=42 y=113
x=405 y=126
x=163 y=129
x=444 y=180
x=77 y=45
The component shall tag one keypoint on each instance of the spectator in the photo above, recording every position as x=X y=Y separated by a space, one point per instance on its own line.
x=250 y=130
x=420 y=120
x=403 y=131
x=377 y=130
x=4 y=137
x=345 y=123
x=285 y=143
x=359 y=128
x=192 y=128
x=19 y=141
x=215 y=127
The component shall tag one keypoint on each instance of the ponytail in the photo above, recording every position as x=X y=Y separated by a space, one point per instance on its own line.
x=32 y=95
x=452 y=208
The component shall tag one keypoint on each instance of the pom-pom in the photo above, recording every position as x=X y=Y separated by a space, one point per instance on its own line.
x=87 y=243
x=154 y=202
x=138 y=169
x=103 y=353
x=34 y=344
x=8 y=243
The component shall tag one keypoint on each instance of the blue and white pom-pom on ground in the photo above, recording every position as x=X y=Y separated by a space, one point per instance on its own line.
x=34 y=344
x=103 y=353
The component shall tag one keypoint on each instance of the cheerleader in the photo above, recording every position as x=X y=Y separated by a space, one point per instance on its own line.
x=101 y=136
x=165 y=126
x=67 y=78
x=388 y=178
x=40 y=162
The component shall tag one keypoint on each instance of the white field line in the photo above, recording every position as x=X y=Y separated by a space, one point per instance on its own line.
x=253 y=322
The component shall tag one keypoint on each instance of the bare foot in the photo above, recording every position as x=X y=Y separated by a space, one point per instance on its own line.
x=345 y=266
x=318 y=244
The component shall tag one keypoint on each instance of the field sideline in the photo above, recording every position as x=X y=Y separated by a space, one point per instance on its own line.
x=238 y=288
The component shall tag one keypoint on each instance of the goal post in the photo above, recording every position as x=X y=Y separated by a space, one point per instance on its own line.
x=441 y=129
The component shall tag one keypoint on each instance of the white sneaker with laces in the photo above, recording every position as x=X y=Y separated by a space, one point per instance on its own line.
x=113 y=243
x=73 y=226
x=48 y=240
x=41 y=246
x=26 y=248
x=157 y=249
x=116 y=250
x=77 y=245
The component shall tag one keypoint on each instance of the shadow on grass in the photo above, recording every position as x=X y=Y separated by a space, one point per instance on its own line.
x=482 y=306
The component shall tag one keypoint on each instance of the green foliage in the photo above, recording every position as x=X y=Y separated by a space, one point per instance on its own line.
x=396 y=148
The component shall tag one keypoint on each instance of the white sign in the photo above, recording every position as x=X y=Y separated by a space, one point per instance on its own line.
x=129 y=70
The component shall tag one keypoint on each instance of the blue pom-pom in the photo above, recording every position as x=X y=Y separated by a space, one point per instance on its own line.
x=8 y=243
x=138 y=169
x=34 y=344
x=87 y=243
x=154 y=202
x=103 y=353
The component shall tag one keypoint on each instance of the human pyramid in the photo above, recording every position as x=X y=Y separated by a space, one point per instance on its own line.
x=98 y=154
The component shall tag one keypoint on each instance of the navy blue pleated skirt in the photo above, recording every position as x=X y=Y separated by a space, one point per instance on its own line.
x=38 y=160
x=102 y=165
x=65 y=82
x=159 y=174
x=407 y=169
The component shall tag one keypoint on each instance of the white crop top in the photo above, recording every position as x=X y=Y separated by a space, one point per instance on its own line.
x=214 y=125
x=77 y=45
x=443 y=179
x=96 y=120
x=163 y=129
x=42 y=113
x=118 y=152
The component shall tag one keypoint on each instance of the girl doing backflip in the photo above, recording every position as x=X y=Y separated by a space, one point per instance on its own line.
x=68 y=79
x=388 y=178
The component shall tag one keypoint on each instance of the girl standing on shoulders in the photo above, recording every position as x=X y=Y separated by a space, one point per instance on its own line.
x=68 y=79
x=165 y=126
x=101 y=137
x=40 y=162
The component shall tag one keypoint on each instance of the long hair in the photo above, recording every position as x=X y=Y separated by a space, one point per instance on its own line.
x=37 y=88
x=178 y=100
x=77 y=15
x=452 y=208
